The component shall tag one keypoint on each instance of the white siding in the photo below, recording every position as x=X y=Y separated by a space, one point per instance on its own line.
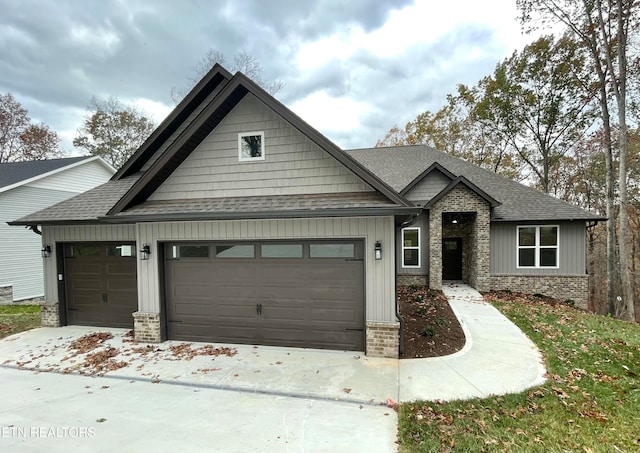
x=292 y=165
x=76 y=179
x=76 y=233
x=379 y=275
x=20 y=258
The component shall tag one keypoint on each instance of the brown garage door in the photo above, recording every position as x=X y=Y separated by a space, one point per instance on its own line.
x=101 y=288
x=301 y=294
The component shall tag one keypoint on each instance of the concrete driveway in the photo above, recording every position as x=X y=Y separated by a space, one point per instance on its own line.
x=211 y=397
x=179 y=397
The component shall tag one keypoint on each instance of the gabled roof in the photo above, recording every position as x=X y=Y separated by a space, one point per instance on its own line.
x=432 y=168
x=461 y=180
x=210 y=84
x=208 y=103
x=15 y=174
x=212 y=114
x=401 y=166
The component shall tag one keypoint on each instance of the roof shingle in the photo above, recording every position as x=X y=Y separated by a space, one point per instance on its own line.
x=399 y=166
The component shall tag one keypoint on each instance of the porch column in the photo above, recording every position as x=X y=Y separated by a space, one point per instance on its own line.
x=435 y=247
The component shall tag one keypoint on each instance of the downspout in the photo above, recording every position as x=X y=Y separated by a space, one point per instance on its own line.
x=35 y=229
x=410 y=221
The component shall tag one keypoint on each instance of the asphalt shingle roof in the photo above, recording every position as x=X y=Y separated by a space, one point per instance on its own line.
x=86 y=206
x=15 y=172
x=399 y=166
x=219 y=207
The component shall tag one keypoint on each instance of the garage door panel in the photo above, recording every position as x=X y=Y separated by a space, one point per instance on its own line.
x=305 y=302
x=101 y=289
x=81 y=267
x=338 y=315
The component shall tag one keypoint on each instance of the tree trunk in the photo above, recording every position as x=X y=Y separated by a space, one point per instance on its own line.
x=627 y=305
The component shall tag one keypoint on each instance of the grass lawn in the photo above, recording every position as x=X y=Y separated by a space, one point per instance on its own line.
x=590 y=402
x=16 y=318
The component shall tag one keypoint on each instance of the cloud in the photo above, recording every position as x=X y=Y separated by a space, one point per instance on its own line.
x=365 y=65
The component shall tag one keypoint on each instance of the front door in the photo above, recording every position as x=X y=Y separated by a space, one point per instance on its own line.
x=452 y=259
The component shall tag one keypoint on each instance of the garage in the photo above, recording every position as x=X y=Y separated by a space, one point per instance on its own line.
x=101 y=287
x=296 y=293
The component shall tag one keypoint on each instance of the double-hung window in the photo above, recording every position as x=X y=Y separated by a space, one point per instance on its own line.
x=538 y=246
x=411 y=247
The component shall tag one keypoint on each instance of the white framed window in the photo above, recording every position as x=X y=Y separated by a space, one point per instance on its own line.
x=411 y=247
x=538 y=246
x=250 y=146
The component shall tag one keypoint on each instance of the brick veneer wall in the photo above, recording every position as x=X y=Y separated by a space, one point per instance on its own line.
x=383 y=339
x=50 y=314
x=406 y=280
x=146 y=327
x=563 y=287
x=461 y=199
x=6 y=295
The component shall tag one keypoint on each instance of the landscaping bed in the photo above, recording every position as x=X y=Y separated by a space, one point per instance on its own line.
x=430 y=328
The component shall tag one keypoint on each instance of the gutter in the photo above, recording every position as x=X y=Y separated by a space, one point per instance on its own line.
x=410 y=221
x=243 y=215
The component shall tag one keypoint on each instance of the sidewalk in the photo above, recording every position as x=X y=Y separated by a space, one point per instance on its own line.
x=497 y=359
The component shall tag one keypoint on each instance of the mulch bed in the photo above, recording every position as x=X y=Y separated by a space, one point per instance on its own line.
x=431 y=329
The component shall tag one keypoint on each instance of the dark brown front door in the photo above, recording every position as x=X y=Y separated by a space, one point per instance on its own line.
x=452 y=259
x=294 y=293
x=101 y=285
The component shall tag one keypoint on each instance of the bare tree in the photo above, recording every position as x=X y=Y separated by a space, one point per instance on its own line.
x=244 y=62
x=20 y=139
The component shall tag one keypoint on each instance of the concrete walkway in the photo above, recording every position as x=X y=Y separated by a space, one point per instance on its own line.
x=497 y=359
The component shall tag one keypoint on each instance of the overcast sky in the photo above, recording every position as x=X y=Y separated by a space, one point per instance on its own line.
x=352 y=68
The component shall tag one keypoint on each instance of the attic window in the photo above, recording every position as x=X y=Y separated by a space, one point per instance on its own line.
x=250 y=146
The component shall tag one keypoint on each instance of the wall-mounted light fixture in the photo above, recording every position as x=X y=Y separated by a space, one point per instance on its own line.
x=145 y=251
x=46 y=251
x=378 y=250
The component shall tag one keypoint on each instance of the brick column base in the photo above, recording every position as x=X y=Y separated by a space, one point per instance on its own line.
x=146 y=327
x=383 y=339
x=50 y=314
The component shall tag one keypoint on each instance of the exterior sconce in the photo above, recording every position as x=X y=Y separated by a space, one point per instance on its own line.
x=378 y=250
x=46 y=251
x=145 y=251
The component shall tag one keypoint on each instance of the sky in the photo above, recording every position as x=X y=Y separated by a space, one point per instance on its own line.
x=352 y=69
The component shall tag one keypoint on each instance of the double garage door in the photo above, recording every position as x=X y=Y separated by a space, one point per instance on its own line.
x=301 y=294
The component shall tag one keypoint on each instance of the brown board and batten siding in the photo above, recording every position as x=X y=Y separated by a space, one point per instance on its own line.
x=571 y=252
x=293 y=164
x=379 y=275
x=52 y=235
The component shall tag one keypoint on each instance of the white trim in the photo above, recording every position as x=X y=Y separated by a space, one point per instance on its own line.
x=418 y=247
x=537 y=247
x=58 y=170
x=247 y=134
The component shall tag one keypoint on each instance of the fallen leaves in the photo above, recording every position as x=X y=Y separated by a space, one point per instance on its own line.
x=89 y=342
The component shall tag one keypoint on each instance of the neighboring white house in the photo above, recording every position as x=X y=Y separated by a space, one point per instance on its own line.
x=26 y=187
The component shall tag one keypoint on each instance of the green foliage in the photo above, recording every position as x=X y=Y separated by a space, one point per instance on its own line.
x=113 y=130
x=428 y=331
x=589 y=402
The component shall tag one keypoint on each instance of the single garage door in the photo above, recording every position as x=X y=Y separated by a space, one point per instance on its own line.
x=101 y=287
x=302 y=294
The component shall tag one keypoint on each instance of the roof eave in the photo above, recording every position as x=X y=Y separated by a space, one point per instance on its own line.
x=261 y=215
x=191 y=101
